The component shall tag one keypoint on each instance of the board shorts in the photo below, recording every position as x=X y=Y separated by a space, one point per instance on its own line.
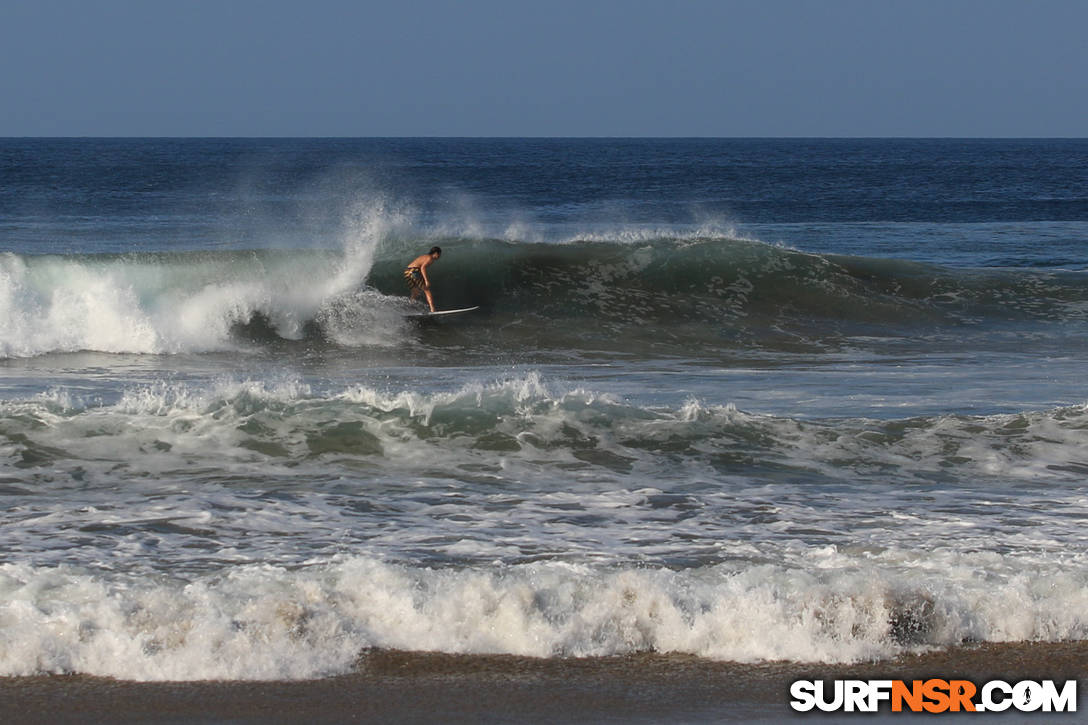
x=414 y=278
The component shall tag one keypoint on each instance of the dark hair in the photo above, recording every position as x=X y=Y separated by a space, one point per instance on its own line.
x=435 y=250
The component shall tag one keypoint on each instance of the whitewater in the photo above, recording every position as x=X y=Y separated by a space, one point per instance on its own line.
x=810 y=401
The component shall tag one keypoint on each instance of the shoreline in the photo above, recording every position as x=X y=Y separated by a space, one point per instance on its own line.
x=409 y=687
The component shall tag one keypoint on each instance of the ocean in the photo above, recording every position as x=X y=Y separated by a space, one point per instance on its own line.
x=742 y=401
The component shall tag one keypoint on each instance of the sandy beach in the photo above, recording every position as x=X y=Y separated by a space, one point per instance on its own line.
x=401 y=687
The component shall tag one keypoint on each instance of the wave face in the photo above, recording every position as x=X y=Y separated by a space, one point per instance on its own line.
x=631 y=296
x=727 y=282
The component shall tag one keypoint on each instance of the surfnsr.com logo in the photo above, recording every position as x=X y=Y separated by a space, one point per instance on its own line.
x=933 y=695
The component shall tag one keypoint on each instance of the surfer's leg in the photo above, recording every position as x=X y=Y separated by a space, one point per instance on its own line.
x=414 y=280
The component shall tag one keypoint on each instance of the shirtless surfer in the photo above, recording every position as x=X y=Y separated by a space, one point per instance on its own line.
x=416 y=275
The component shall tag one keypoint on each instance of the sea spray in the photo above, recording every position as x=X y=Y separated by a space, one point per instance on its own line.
x=169 y=303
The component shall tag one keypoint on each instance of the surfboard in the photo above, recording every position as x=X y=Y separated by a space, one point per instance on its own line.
x=440 y=313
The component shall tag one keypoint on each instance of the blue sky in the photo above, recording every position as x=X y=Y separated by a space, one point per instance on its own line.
x=550 y=68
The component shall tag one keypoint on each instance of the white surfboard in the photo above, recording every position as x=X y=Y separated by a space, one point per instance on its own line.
x=440 y=313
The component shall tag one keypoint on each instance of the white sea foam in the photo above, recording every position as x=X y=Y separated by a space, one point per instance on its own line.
x=526 y=537
x=536 y=425
x=266 y=622
x=157 y=303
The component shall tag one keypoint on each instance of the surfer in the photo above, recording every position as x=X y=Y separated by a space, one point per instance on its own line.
x=416 y=275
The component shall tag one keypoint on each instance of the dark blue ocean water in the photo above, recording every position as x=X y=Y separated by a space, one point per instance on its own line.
x=85 y=195
x=816 y=400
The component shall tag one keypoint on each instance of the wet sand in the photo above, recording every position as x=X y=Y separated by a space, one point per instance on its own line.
x=402 y=687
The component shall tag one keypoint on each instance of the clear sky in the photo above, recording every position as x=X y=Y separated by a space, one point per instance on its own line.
x=544 y=68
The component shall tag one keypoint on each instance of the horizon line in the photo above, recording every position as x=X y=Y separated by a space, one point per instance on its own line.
x=543 y=138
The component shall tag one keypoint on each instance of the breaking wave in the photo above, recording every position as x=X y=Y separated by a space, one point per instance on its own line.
x=266 y=622
x=684 y=293
x=523 y=420
x=521 y=518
